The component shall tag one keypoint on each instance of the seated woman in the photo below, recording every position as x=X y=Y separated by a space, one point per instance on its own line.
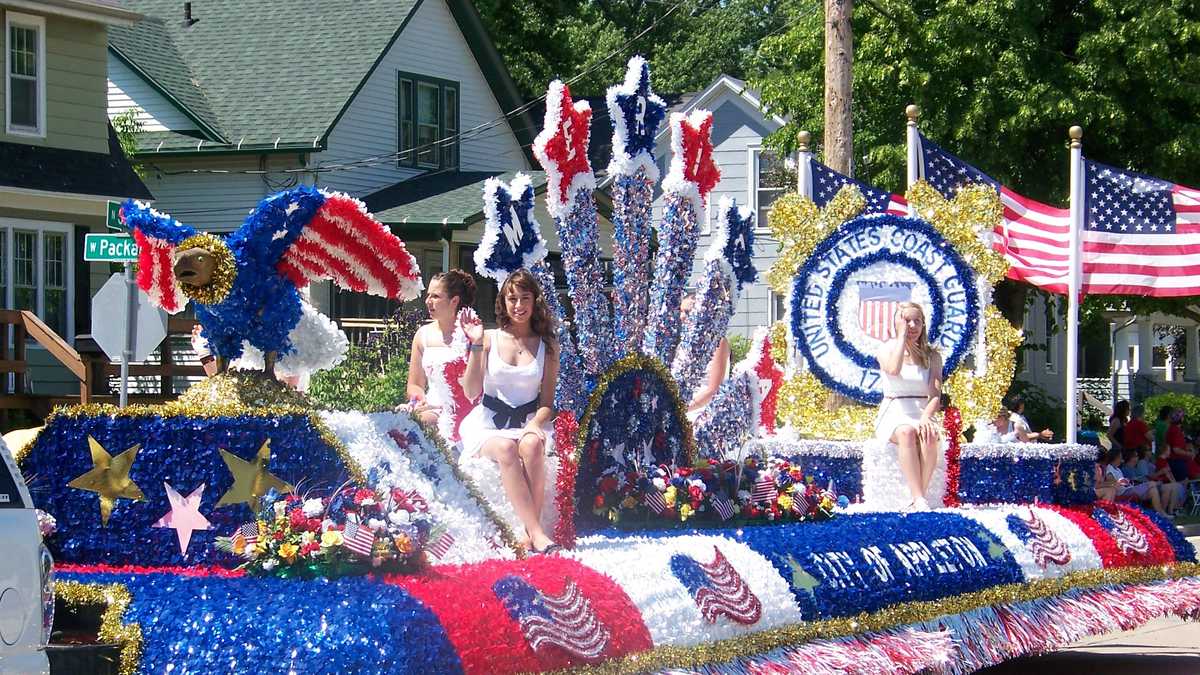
x=515 y=367
x=714 y=375
x=1004 y=431
x=1106 y=486
x=1126 y=488
x=1020 y=425
x=437 y=343
x=912 y=387
x=1116 y=423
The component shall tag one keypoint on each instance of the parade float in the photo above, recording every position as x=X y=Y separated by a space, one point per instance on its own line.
x=239 y=529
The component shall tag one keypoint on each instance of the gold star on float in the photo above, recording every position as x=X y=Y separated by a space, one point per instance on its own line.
x=109 y=478
x=251 y=479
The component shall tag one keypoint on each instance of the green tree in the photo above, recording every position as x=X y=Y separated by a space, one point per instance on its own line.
x=128 y=126
x=999 y=82
x=689 y=43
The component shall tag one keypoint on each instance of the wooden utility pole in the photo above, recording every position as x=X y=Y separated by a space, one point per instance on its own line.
x=839 y=56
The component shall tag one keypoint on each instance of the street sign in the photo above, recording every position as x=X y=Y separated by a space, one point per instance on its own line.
x=113 y=221
x=109 y=248
x=110 y=320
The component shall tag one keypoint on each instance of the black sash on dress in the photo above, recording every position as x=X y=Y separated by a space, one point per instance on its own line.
x=505 y=416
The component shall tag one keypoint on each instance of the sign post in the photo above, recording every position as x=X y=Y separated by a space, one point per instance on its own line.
x=140 y=328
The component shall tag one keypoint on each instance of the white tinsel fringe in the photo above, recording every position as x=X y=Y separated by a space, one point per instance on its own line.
x=318 y=345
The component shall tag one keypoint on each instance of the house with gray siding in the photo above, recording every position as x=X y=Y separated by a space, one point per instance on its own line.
x=404 y=104
x=751 y=174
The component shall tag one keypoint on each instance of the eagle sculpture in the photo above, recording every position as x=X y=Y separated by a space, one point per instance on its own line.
x=245 y=286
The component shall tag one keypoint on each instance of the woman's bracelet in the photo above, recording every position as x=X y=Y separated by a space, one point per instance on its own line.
x=475 y=347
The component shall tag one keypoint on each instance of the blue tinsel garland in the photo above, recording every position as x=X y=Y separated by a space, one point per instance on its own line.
x=268 y=625
x=182 y=451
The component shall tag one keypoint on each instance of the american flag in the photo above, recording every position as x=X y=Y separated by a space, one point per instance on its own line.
x=359 y=538
x=441 y=545
x=654 y=499
x=826 y=183
x=1033 y=237
x=800 y=503
x=764 y=489
x=1141 y=235
x=877 y=305
x=722 y=506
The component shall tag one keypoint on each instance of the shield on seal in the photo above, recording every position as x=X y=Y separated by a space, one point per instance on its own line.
x=877 y=305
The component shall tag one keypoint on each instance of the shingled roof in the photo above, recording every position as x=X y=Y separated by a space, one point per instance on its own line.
x=261 y=76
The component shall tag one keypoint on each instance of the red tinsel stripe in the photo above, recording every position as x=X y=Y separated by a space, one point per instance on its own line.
x=396 y=264
x=325 y=229
x=195 y=571
x=453 y=371
x=489 y=640
x=155 y=275
x=1110 y=553
x=1161 y=551
x=316 y=262
x=565 y=430
x=952 y=422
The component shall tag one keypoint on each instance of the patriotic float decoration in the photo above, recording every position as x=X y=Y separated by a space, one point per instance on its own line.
x=354 y=531
x=698 y=552
x=845 y=271
x=244 y=286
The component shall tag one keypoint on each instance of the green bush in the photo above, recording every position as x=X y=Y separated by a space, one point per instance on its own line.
x=739 y=346
x=1188 y=402
x=374 y=375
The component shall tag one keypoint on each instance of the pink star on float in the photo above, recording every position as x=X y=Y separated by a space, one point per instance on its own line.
x=562 y=147
x=696 y=150
x=184 y=516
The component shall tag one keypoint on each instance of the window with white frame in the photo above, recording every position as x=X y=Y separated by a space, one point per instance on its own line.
x=36 y=271
x=25 y=74
x=768 y=180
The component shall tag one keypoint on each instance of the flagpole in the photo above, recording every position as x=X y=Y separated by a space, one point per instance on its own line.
x=1073 y=281
x=804 y=164
x=912 y=112
x=804 y=186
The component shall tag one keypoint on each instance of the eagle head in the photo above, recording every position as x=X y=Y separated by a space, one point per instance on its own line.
x=204 y=268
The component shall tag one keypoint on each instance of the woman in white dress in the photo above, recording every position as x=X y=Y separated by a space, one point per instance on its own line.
x=437 y=343
x=515 y=367
x=912 y=388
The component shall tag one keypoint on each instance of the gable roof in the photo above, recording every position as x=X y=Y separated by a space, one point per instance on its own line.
x=266 y=76
x=450 y=199
x=722 y=85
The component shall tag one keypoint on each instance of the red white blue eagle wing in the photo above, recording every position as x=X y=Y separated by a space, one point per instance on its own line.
x=157 y=236
x=343 y=242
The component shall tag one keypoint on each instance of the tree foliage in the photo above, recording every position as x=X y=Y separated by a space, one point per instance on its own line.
x=689 y=44
x=999 y=82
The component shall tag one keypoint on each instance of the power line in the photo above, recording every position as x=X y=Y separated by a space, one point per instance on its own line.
x=436 y=145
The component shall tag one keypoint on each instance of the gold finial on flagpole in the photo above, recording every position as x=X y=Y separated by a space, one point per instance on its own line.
x=1076 y=134
x=912 y=112
x=803 y=138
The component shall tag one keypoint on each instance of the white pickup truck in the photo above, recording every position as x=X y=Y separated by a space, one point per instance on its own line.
x=26 y=577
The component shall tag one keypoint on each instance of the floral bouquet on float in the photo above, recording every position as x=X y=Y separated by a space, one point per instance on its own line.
x=352 y=532
x=713 y=493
